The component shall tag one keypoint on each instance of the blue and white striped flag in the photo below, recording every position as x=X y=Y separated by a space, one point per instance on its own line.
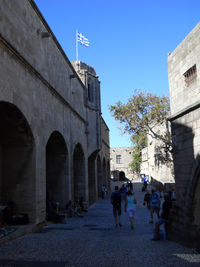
x=81 y=39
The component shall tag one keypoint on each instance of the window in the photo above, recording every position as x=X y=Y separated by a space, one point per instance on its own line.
x=190 y=75
x=118 y=159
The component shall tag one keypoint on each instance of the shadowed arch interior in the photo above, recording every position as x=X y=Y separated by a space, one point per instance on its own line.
x=57 y=169
x=17 y=160
x=122 y=176
x=104 y=173
x=108 y=174
x=99 y=175
x=79 y=172
x=92 y=185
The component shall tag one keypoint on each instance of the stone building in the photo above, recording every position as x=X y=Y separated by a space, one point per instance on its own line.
x=184 y=83
x=144 y=167
x=156 y=161
x=53 y=141
x=120 y=158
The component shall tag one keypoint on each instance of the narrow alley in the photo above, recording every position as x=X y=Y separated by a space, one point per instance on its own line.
x=93 y=241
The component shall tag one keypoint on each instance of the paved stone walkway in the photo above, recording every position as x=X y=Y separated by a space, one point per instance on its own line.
x=93 y=241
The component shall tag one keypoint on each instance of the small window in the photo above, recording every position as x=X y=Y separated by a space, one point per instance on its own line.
x=90 y=91
x=118 y=159
x=190 y=75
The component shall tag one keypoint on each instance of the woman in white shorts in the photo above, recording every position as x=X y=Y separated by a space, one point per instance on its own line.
x=130 y=207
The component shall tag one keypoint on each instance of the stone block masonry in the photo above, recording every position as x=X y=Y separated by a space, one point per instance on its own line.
x=51 y=132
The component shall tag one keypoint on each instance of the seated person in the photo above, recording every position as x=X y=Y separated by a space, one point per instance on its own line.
x=69 y=209
x=83 y=204
x=8 y=214
x=10 y=218
x=53 y=213
x=77 y=208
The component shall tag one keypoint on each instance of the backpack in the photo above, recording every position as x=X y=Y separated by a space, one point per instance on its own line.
x=116 y=198
x=147 y=197
x=154 y=200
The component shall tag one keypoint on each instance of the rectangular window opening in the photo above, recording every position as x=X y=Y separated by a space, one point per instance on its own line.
x=190 y=75
x=118 y=159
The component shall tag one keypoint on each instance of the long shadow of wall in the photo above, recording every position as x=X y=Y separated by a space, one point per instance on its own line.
x=184 y=223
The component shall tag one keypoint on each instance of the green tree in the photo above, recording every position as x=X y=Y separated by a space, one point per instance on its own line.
x=140 y=116
x=142 y=112
x=139 y=142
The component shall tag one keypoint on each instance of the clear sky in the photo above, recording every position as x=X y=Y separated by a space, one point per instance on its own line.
x=129 y=43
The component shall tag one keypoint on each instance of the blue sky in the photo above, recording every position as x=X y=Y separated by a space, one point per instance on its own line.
x=129 y=43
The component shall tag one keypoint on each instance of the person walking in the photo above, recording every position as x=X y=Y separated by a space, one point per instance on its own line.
x=167 y=205
x=123 y=191
x=147 y=199
x=155 y=204
x=115 y=200
x=129 y=207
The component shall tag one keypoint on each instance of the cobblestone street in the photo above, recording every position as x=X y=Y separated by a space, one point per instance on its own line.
x=93 y=241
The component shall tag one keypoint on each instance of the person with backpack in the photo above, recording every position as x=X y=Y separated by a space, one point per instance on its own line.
x=147 y=199
x=115 y=200
x=155 y=204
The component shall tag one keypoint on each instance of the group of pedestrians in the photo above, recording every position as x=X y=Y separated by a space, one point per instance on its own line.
x=129 y=205
x=151 y=200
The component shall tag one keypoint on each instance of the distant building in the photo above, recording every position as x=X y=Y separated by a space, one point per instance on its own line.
x=154 y=163
x=120 y=158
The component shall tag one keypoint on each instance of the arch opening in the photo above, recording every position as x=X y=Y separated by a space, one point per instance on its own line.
x=92 y=179
x=99 y=175
x=17 y=161
x=122 y=176
x=57 y=170
x=108 y=175
x=79 y=172
x=104 y=173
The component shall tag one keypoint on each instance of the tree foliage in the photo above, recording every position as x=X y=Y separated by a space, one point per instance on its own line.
x=139 y=142
x=141 y=115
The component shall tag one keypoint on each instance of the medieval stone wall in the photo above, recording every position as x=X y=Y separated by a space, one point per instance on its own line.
x=185 y=123
x=156 y=161
x=50 y=137
x=180 y=61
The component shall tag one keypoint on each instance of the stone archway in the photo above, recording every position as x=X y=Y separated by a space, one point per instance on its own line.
x=17 y=161
x=99 y=175
x=57 y=169
x=92 y=187
x=108 y=174
x=104 y=173
x=79 y=172
x=122 y=176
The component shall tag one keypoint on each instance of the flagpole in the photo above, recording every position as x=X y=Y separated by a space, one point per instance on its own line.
x=77 y=46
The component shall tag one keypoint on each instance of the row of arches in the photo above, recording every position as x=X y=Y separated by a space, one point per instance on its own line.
x=18 y=166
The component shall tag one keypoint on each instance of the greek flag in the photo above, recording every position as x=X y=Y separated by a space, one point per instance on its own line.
x=81 y=39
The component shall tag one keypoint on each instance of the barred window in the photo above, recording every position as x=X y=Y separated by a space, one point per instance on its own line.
x=118 y=159
x=190 y=75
